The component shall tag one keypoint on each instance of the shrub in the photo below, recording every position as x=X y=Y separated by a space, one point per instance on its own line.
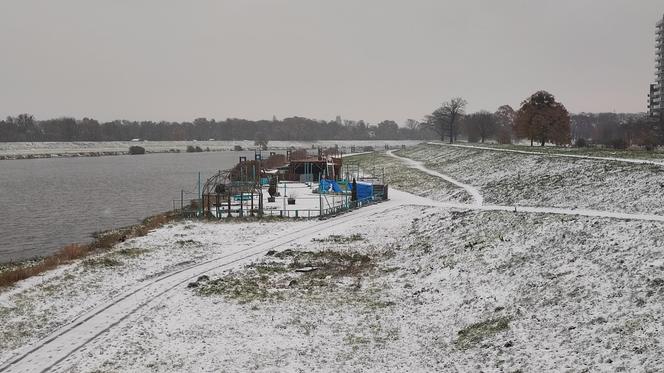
x=649 y=144
x=136 y=150
x=194 y=149
x=581 y=143
x=618 y=144
x=504 y=136
x=237 y=148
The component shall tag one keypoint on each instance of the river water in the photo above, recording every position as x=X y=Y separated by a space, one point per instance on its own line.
x=48 y=203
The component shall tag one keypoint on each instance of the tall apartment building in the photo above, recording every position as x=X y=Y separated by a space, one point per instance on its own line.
x=656 y=96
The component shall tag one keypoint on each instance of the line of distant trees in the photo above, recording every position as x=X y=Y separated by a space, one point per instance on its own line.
x=25 y=127
x=541 y=119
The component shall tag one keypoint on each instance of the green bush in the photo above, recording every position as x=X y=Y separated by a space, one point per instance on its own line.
x=194 y=149
x=581 y=143
x=136 y=150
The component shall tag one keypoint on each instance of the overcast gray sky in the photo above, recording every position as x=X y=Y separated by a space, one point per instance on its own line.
x=361 y=59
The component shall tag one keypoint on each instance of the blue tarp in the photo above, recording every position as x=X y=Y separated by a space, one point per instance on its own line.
x=325 y=186
x=364 y=191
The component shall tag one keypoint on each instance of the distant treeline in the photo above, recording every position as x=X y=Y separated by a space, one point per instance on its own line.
x=617 y=130
x=25 y=127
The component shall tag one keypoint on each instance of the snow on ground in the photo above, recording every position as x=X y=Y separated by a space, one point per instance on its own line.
x=447 y=290
x=412 y=180
x=597 y=153
x=406 y=285
x=12 y=149
x=506 y=178
x=307 y=203
x=39 y=305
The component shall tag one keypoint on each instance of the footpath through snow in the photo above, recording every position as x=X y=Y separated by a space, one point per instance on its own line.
x=474 y=192
x=478 y=200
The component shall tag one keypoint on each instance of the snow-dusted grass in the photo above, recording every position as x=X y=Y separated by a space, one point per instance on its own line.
x=537 y=180
x=444 y=291
x=407 y=285
x=409 y=179
x=22 y=149
x=654 y=155
x=35 y=307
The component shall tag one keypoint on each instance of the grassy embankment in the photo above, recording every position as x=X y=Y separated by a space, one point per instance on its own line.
x=654 y=155
x=398 y=176
x=12 y=273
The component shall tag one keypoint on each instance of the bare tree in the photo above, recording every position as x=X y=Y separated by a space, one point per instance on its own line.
x=412 y=124
x=445 y=118
x=505 y=121
x=479 y=126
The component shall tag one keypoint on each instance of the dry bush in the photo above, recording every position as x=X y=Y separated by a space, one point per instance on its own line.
x=103 y=241
x=71 y=252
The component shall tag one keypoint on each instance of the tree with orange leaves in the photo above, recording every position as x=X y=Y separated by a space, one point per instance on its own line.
x=541 y=118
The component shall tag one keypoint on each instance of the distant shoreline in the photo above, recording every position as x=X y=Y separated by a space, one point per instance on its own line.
x=43 y=150
x=16 y=157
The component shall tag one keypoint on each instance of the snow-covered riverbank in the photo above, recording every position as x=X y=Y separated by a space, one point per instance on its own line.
x=28 y=150
x=412 y=284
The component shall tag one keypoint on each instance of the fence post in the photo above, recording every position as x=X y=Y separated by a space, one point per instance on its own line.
x=200 y=198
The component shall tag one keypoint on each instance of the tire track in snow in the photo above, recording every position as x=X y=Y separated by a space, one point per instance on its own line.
x=61 y=344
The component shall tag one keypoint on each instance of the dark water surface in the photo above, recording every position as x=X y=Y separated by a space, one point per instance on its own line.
x=48 y=203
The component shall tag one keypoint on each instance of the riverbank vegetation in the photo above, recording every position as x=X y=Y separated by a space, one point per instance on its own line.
x=12 y=273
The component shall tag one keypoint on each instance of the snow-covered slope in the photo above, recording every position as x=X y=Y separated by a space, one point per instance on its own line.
x=412 y=284
x=506 y=178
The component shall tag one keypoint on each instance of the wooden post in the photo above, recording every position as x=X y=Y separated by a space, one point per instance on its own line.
x=252 y=203
x=218 y=206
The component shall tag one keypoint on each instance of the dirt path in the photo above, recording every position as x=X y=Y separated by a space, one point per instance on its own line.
x=612 y=159
x=55 y=350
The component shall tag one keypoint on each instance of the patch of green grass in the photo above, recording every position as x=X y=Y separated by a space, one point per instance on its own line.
x=189 y=242
x=287 y=272
x=422 y=244
x=104 y=261
x=474 y=245
x=335 y=238
x=355 y=340
x=475 y=333
x=243 y=289
x=269 y=267
x=305 y=327
x=132 y=253
x=332 y=263
x=51 y=289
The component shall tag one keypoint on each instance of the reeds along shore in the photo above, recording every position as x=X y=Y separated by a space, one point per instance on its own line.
x=103 y=241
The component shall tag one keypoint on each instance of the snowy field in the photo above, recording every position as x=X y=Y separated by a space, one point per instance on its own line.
x=12 y=149
x=506 y=178
x=437 y=282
